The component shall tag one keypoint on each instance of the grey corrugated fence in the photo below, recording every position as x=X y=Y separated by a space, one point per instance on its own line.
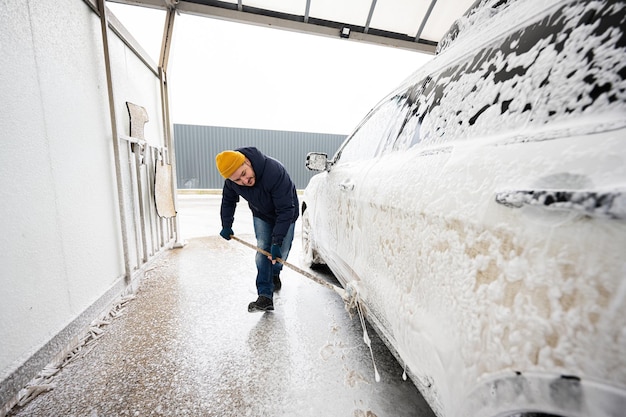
x=196 y=147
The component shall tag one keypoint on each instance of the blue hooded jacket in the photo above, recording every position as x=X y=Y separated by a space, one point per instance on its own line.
x=272 y=198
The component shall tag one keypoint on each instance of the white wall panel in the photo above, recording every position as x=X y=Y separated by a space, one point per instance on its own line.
x=69 y=49
x=61 y=251
x=31 y=255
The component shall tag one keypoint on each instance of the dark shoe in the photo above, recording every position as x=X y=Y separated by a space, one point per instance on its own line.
x=261 y=304
x=277 y=283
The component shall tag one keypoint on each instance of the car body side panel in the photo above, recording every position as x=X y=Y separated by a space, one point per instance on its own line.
x=493 y=288
x=487 y=288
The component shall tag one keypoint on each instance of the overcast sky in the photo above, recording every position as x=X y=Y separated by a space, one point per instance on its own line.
x=235 y=75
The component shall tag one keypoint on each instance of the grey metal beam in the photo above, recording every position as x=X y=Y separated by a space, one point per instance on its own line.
x=369 y=16
x=306 y=11
x=166 y=42
x=165 y=109
x=298 y=26
x=153 y=4
x=287 y=23
x=425 y=20
x=116 y=151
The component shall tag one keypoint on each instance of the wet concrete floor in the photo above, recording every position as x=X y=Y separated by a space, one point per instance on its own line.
x=187 y=346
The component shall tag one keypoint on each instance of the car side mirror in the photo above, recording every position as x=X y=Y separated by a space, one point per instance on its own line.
x=316 y=161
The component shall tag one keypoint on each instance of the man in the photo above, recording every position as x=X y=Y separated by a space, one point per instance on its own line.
x=271 y=195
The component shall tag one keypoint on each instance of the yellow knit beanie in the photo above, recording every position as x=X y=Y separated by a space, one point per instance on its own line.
x=228 y=161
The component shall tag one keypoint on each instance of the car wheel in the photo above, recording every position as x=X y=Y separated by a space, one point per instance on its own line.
x=309 y=256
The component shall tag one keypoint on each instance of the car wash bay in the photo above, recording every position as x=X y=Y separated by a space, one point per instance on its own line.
x=185 y=344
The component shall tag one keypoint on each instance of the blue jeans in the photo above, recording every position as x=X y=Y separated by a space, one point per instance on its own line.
x=265 y=269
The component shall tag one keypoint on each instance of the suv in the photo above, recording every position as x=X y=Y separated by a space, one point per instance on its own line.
x=478 y=213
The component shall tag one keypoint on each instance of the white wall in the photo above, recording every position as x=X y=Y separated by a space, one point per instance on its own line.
x=60 y=238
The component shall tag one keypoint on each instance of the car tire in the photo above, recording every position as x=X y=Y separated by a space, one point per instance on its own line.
x=310 y=257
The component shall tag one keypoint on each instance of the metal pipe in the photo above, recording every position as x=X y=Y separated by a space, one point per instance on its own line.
x=116 y=149
x=165 y=108
x=369 y=16
x=139 y=154
x=150 y=177
x=134 y=190
x=426 y=17
x=306 y=11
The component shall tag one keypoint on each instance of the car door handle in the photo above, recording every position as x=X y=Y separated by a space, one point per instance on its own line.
x=346 y=186
x=611 y=204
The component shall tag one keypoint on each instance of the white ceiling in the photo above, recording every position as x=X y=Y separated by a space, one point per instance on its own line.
x=408 y=24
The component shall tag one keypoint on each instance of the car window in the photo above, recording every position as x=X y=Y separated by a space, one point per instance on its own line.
x=372 y=136
x=409 y=130
x=389 y=127
x=402 y=106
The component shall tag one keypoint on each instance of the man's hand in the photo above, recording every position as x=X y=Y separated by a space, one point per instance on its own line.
x=275 y=253
x=226 y=233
